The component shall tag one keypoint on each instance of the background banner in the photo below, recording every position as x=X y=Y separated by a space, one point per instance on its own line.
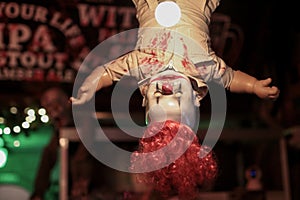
x=47 y=41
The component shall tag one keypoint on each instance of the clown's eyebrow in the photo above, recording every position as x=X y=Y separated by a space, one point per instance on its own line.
x=177 y=88
x=157 y=90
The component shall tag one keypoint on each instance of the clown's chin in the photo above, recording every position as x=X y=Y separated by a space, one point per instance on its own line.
x=159 y=113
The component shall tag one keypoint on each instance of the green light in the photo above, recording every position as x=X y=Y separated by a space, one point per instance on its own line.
x=3 y=157
x=8 y=177
x=1 y=142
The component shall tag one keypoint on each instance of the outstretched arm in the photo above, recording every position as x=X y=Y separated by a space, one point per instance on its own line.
x=98 y=79
x=244 y=83
x=105 y=75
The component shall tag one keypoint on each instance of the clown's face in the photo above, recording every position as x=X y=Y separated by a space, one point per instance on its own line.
x=170 y=96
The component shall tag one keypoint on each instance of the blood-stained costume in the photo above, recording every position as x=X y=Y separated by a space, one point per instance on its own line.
x=186 y=45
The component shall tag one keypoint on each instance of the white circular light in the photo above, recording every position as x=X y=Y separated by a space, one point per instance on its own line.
x=30 y=118
x=17 y=129
x=42 y=111
x=17 y=143
x=25 y=125
x=167 y=13
x=30 y=112
x=3 y=157
x=14 y=110
x=2 y=120
x=45 y=118
x=26 y=110
x=6 y=130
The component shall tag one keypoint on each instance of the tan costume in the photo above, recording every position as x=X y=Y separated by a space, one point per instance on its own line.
x=185 y=45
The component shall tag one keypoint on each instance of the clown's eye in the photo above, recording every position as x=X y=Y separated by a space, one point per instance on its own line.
x=178 y=91
x=157 y=93
x=178 y=94
x=158 y=90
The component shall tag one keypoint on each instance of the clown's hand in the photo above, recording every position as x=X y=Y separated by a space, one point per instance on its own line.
x=244 y=83
x=262 y=89
x=85 y=93
x=98 y=79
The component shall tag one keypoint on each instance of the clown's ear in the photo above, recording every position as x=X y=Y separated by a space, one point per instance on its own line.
x=200 y=89
x=201 y=92
x=144 y=103
x=143 y=90
x=197 y=98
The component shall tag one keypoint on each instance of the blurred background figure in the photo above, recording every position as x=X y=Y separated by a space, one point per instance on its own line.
x=84 y=169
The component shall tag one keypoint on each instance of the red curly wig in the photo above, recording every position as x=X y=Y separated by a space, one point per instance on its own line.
x=182 y=171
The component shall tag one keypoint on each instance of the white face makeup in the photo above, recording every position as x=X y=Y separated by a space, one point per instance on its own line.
x=170 y=96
